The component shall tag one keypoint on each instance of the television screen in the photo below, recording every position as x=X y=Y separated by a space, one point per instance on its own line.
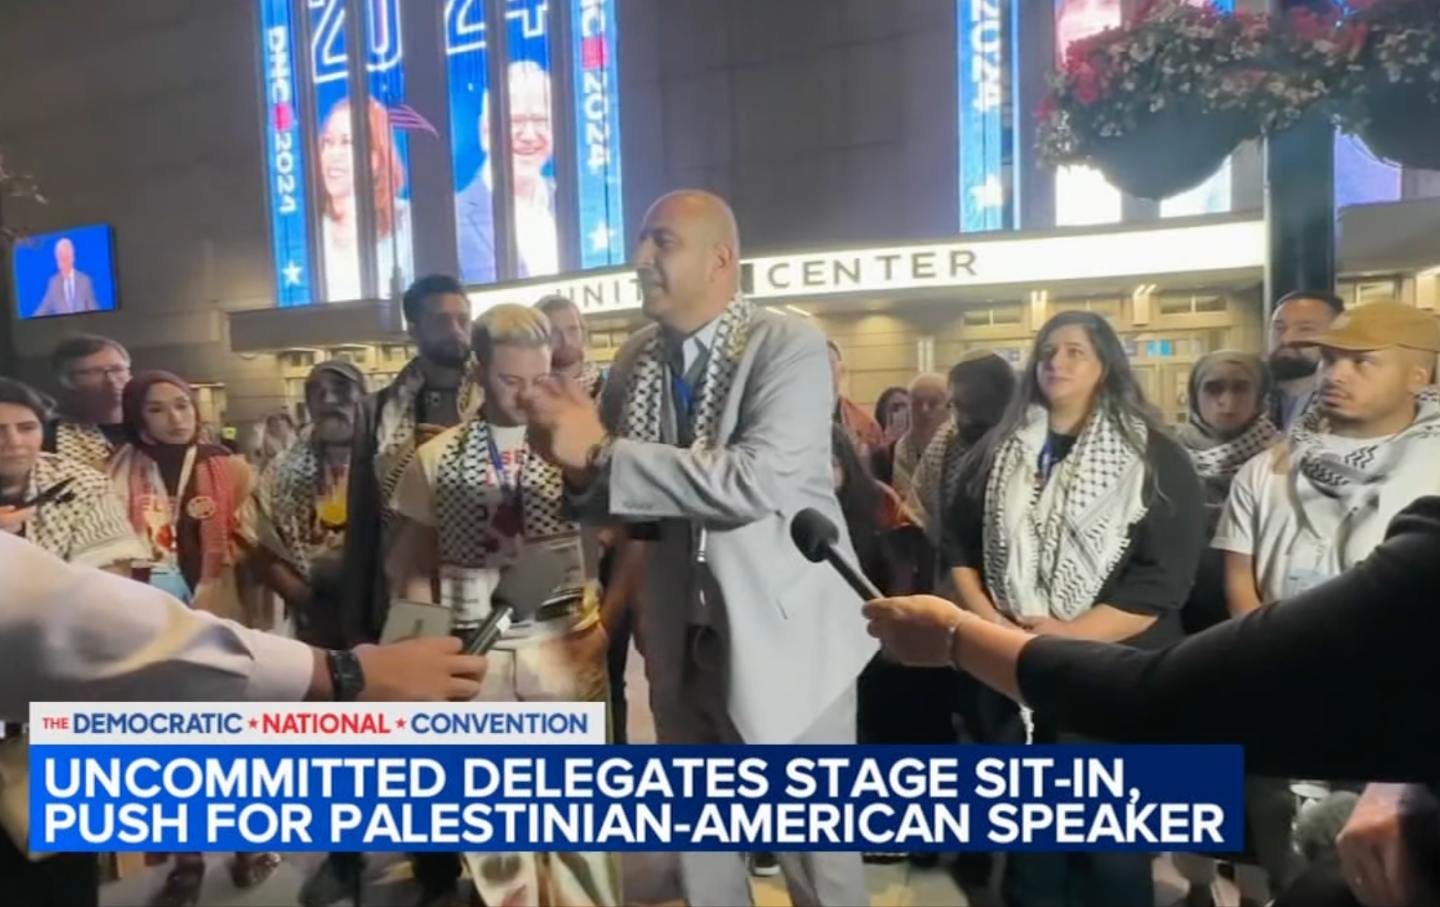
x=65 y=273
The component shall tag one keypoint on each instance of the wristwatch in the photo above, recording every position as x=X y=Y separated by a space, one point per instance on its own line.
x=347 y=678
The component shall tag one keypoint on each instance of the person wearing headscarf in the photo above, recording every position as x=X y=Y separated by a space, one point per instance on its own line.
x=1228 y=422
x=183 y=499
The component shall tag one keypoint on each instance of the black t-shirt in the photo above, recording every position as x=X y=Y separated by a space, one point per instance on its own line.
x=1155 y=574
x=1338 y=682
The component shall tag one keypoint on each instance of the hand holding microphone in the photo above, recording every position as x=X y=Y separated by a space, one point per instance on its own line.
x=918 y=630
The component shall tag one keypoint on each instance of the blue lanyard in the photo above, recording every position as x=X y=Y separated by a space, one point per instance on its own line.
x=684 y=398
x=1047 y=462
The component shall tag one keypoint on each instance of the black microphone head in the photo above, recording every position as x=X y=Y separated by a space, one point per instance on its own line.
x=813 y=533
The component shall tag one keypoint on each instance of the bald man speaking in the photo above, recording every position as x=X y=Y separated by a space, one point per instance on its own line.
x=712 y=432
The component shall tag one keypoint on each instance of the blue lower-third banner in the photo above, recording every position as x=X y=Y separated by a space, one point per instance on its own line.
x=353 y=793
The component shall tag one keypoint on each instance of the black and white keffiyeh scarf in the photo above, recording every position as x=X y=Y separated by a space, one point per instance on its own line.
x=936 y=482
x=286 y=497
x=1050 y=548
x=477 y=520
x=79 y=442
x=87 y=525
x=395 y=434
x=1216 y=459
x=1349 y=492
x=646 y=393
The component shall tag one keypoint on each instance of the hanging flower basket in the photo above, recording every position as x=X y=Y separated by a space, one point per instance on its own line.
x=1171 y=151
x=1392 y=95
x=1402 y=124
x=1158 y=103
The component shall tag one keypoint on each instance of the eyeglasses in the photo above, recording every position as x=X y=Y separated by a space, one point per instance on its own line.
x=101 y=373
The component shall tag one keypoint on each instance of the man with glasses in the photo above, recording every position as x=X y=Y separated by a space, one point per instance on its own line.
x=92 y=372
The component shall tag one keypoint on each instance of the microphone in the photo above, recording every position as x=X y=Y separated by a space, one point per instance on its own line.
x=815 y=535
x=521 y=591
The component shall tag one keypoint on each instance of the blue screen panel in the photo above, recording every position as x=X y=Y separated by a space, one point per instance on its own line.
x=66 y=273
x=465 y=54
x=985 y=137
x=285 y=173
x=597 y=132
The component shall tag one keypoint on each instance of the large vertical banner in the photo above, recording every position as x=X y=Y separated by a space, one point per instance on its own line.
x=1213 y=195
x=335 y=162
x=284 y=156
x=597 y=132
x=388 y=117
x=465 y=55
x=389 y=150
x=532 y=136
x=985 y=138
x=1082 y=194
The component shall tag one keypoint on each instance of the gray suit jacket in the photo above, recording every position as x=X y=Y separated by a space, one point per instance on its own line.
x=796 y=640
x=55 y=302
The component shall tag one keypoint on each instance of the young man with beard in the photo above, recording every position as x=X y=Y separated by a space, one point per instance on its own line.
x=297 y=513
x=476 y=503
x=1318 y=503
x=569 y=339
x=92 y=373
x=432 y=393
x=1299 y=318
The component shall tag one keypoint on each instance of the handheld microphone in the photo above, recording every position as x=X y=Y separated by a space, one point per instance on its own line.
x=521 y=591
x=815 y=535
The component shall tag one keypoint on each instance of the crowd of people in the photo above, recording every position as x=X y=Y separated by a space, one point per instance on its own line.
x=1052 y=499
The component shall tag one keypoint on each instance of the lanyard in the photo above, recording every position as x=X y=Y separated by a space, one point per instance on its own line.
x=179 y=498
x=1047 y=462
x=684 y=397
x=497 y=462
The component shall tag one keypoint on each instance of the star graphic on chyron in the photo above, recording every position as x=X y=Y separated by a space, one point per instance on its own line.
x=254 y=723
x=292 y=274
x=600 y=237
x=399 y=722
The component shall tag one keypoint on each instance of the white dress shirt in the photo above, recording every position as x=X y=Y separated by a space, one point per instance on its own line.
x=72 y=633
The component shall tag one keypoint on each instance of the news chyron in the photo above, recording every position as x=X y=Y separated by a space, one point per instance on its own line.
x=540 y=776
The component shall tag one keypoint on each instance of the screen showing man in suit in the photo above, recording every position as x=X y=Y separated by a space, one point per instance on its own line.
x=67 y=273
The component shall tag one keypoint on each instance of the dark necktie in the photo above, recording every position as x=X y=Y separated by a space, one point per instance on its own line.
x=685 y=388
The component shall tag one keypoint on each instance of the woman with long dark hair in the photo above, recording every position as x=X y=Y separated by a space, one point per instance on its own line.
x=1080 y=517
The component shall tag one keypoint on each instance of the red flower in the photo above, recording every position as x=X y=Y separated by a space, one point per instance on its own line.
x=1045 y=111
x=1088 y=84
x=1352 y=38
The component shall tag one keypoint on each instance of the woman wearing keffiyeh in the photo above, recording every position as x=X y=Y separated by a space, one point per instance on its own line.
x=1080 y=518
x=1228 y=421
x=184 y=498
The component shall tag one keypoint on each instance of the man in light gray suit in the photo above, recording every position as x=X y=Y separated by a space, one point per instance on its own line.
x=69 y=291
x=712 y=433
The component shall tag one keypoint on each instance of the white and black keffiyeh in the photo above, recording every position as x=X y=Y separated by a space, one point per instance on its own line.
x=646 y=393
x=1049 y=549
x=1220 y=460
x=285 y=498
x=1348 y=493
x=395 y=434
x=936 y=482
x=78 y=442
x=470 y=504
x=85 y=526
